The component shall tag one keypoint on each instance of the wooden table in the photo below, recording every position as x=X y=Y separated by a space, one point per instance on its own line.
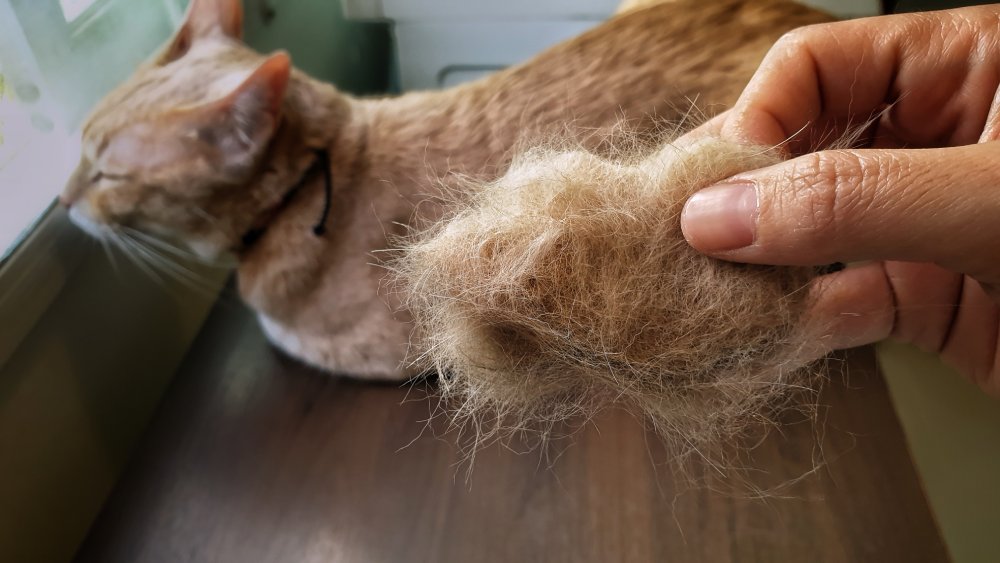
x=254 y=457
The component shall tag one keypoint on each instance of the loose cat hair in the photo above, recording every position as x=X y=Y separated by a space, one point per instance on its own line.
x=566 y=286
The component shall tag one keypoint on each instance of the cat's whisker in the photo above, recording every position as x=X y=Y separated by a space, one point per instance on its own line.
x=178 y=251
x=170 y=267
x=189 y=277
x=153 y=262
x=155 y=249
x=156 y=264
x=111 y=256
x=128 y=250
x=145 y=264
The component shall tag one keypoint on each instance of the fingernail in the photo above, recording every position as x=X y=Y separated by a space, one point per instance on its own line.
x=721 y=217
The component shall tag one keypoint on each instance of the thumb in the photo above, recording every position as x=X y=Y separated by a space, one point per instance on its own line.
x=921 y=205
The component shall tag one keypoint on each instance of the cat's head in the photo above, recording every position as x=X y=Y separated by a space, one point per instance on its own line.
x=167 y=151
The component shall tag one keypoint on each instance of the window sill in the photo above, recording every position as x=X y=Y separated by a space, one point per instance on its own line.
x=34 y=274
x=87 y=349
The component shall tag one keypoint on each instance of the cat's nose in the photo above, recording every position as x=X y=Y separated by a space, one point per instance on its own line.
x=65 y=201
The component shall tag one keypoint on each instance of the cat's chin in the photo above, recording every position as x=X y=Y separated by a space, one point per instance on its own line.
x=204 y=249
x=80 y=215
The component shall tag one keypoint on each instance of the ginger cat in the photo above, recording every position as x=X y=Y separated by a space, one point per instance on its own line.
x=228 y=150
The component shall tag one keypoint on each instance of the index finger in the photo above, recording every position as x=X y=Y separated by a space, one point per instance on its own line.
x=812 y=75
x=824 y=78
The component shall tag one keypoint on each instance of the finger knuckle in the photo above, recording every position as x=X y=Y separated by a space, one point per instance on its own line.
x=799 y=38
x=835 y=187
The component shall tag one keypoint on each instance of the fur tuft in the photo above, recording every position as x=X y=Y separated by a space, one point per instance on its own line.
x=566 y=286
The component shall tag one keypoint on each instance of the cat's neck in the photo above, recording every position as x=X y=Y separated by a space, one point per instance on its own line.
x=419 y=139
x=387 y=156
x=319 y=127
x=409 y=145
x=317 y=117
x=410 y=142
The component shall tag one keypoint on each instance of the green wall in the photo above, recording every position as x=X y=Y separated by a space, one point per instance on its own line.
x=953 y=430
x=355 y=56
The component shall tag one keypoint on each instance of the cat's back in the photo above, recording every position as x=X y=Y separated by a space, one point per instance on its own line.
x=648 y=68
x=655 y=60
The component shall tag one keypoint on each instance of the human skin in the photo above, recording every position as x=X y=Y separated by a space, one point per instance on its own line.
x=918 y=206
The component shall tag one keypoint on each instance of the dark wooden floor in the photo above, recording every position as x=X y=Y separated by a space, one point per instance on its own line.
x=253 y=457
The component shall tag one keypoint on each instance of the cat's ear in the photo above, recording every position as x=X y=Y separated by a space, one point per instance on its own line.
x=242 y=123
x=205 y=18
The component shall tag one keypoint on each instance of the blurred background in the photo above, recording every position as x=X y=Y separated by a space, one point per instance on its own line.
x=86 y=353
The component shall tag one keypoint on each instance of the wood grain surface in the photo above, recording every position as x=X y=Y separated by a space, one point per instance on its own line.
x=255 y=458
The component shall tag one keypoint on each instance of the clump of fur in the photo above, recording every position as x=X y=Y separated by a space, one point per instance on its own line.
x=567 y=286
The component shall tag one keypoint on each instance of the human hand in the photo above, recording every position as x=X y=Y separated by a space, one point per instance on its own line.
x=928 y=215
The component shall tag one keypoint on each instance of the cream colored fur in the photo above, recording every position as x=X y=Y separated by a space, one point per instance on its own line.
x=566 y=286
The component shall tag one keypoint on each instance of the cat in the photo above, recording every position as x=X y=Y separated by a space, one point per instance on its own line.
x=231 y=151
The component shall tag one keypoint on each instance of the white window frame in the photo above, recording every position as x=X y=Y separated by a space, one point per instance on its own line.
x=55 y=396
x=34 y=272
